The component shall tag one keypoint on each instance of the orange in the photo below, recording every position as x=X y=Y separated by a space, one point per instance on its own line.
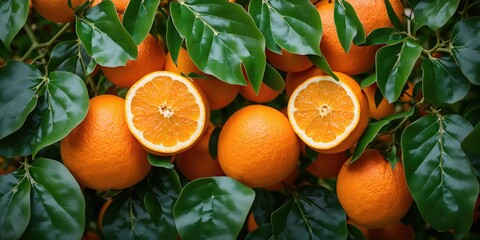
x=288 y=62
x=257 y=146
x=394 y=231
x=101 y=153
x=328 y=115
x=293 y=79
x=197 y=162
x=251 y=222
x=121 y=5
x=151 y=57
x=58 y=10
x=166 y=112
x=103 y=209
x=383 y=109
x=327 y=165
x=372 y=193
x=265 y=94
x=7 y=165
x=218 y=92
x=287 y=182
x=372 y=15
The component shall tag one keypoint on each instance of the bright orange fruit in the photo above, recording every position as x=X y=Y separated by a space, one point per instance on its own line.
x=383 y=109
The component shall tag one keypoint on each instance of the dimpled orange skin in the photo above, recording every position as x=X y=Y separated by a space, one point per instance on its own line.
x=58 y=10
x=372 y=15
x=383 y=109
x=101 y=153
x=151 y=57
x=371 y=193
x=121 y=5
x=257 y=146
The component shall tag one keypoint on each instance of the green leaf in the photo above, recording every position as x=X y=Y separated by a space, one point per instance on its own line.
x=470 y=143
x=214 y=207
x=438 y=172
x=138 y=18
x=371 y=79
x=104 y=37
x=322 y=63
x=313 y=213
x=160 y=161
x=443 y=82
x=213 y=142
x=221 y=38
x=473 y=115
x=15 y=204
x=294 y=25
x=347 y=24
x=465 y=45
x=384 y=36
x=392 y=15
x=260 y=13
x=13 y=15
x=174 y=40
x=57 y=202
x=62 y=107
x=273 y=79
x=145 y=210
x=262 y=206
x=263 y=232
x=18 y=94
x=434 y=13
x=354 y=233
x=393 y=65
x=71 y=56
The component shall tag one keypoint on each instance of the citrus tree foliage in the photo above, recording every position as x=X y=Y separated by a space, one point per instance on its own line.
x=46 y=82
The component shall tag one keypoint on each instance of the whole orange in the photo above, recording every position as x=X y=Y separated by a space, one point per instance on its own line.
x=58 y=10
x=265 y=94
x=197 y=162
x=100 y=152
x=257 y=146
x=373 y=194
x=151 y=57
x=285 y=183
x=383 y=109
x=288 y=62
x=327 y=165
x=372 y=15
x=219 y=93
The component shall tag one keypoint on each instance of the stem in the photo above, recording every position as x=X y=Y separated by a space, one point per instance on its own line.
x=46 y=45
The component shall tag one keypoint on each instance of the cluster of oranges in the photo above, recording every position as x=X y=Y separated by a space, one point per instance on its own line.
x=167 y=108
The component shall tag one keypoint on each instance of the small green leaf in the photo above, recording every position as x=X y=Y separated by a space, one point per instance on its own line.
x=104 y=37
x=260 y=13
x=392 y=15
x=473 y=115
x=13 y=15
x=371 y=79
x=393 y=65
x=384 y=36
x=18 y=94
x=15 y=204
x=57 y=202
x=443 y=82
x=434 y=13
x=354 y=233
x=160 y=161
x=322 y=63
x=438 y=172
x=465 y=47
x=470 y=143
x=213 y=142
x=347 y=24
x=221 y=38
x=214 y=207
x=294 y=24
x=263 y=232
x=262 y=206
x=313 y=213
x=273 y=79
x=71 y=56
x=138 y=18
x=174 y=40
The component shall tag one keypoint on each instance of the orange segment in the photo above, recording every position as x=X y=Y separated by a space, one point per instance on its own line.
x=166 y=112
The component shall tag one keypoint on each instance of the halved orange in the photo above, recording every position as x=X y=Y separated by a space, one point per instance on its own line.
x=166 y=112
x=328 y=115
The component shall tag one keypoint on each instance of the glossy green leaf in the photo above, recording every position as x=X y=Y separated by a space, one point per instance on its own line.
x=473 y=115
x=18 y=94
x=322 y=63
x=71 y=56
x=160 y=161
x=260 y=13
x=262 y=206
x=273 y=79
x=213 y=142
x=62 y=106
x=221 y=38
x=371 y=79
x=372 y=130
x=393 y=65
x=347 y=24
x=443 y=82
x=471 y=142
x=213 y=207
x=13 y=15
x=145 y=210
x=104 y=37
x=392 y=15
x=438 y=172
x=263 y=232
x=434 y=13
x=15 y=204
x=294 y=24
x=313 y=213
x=354 y=233
x=57 y=202
x=174 y=40
x=465 y=45
x=138 y=18
x=384 y=36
